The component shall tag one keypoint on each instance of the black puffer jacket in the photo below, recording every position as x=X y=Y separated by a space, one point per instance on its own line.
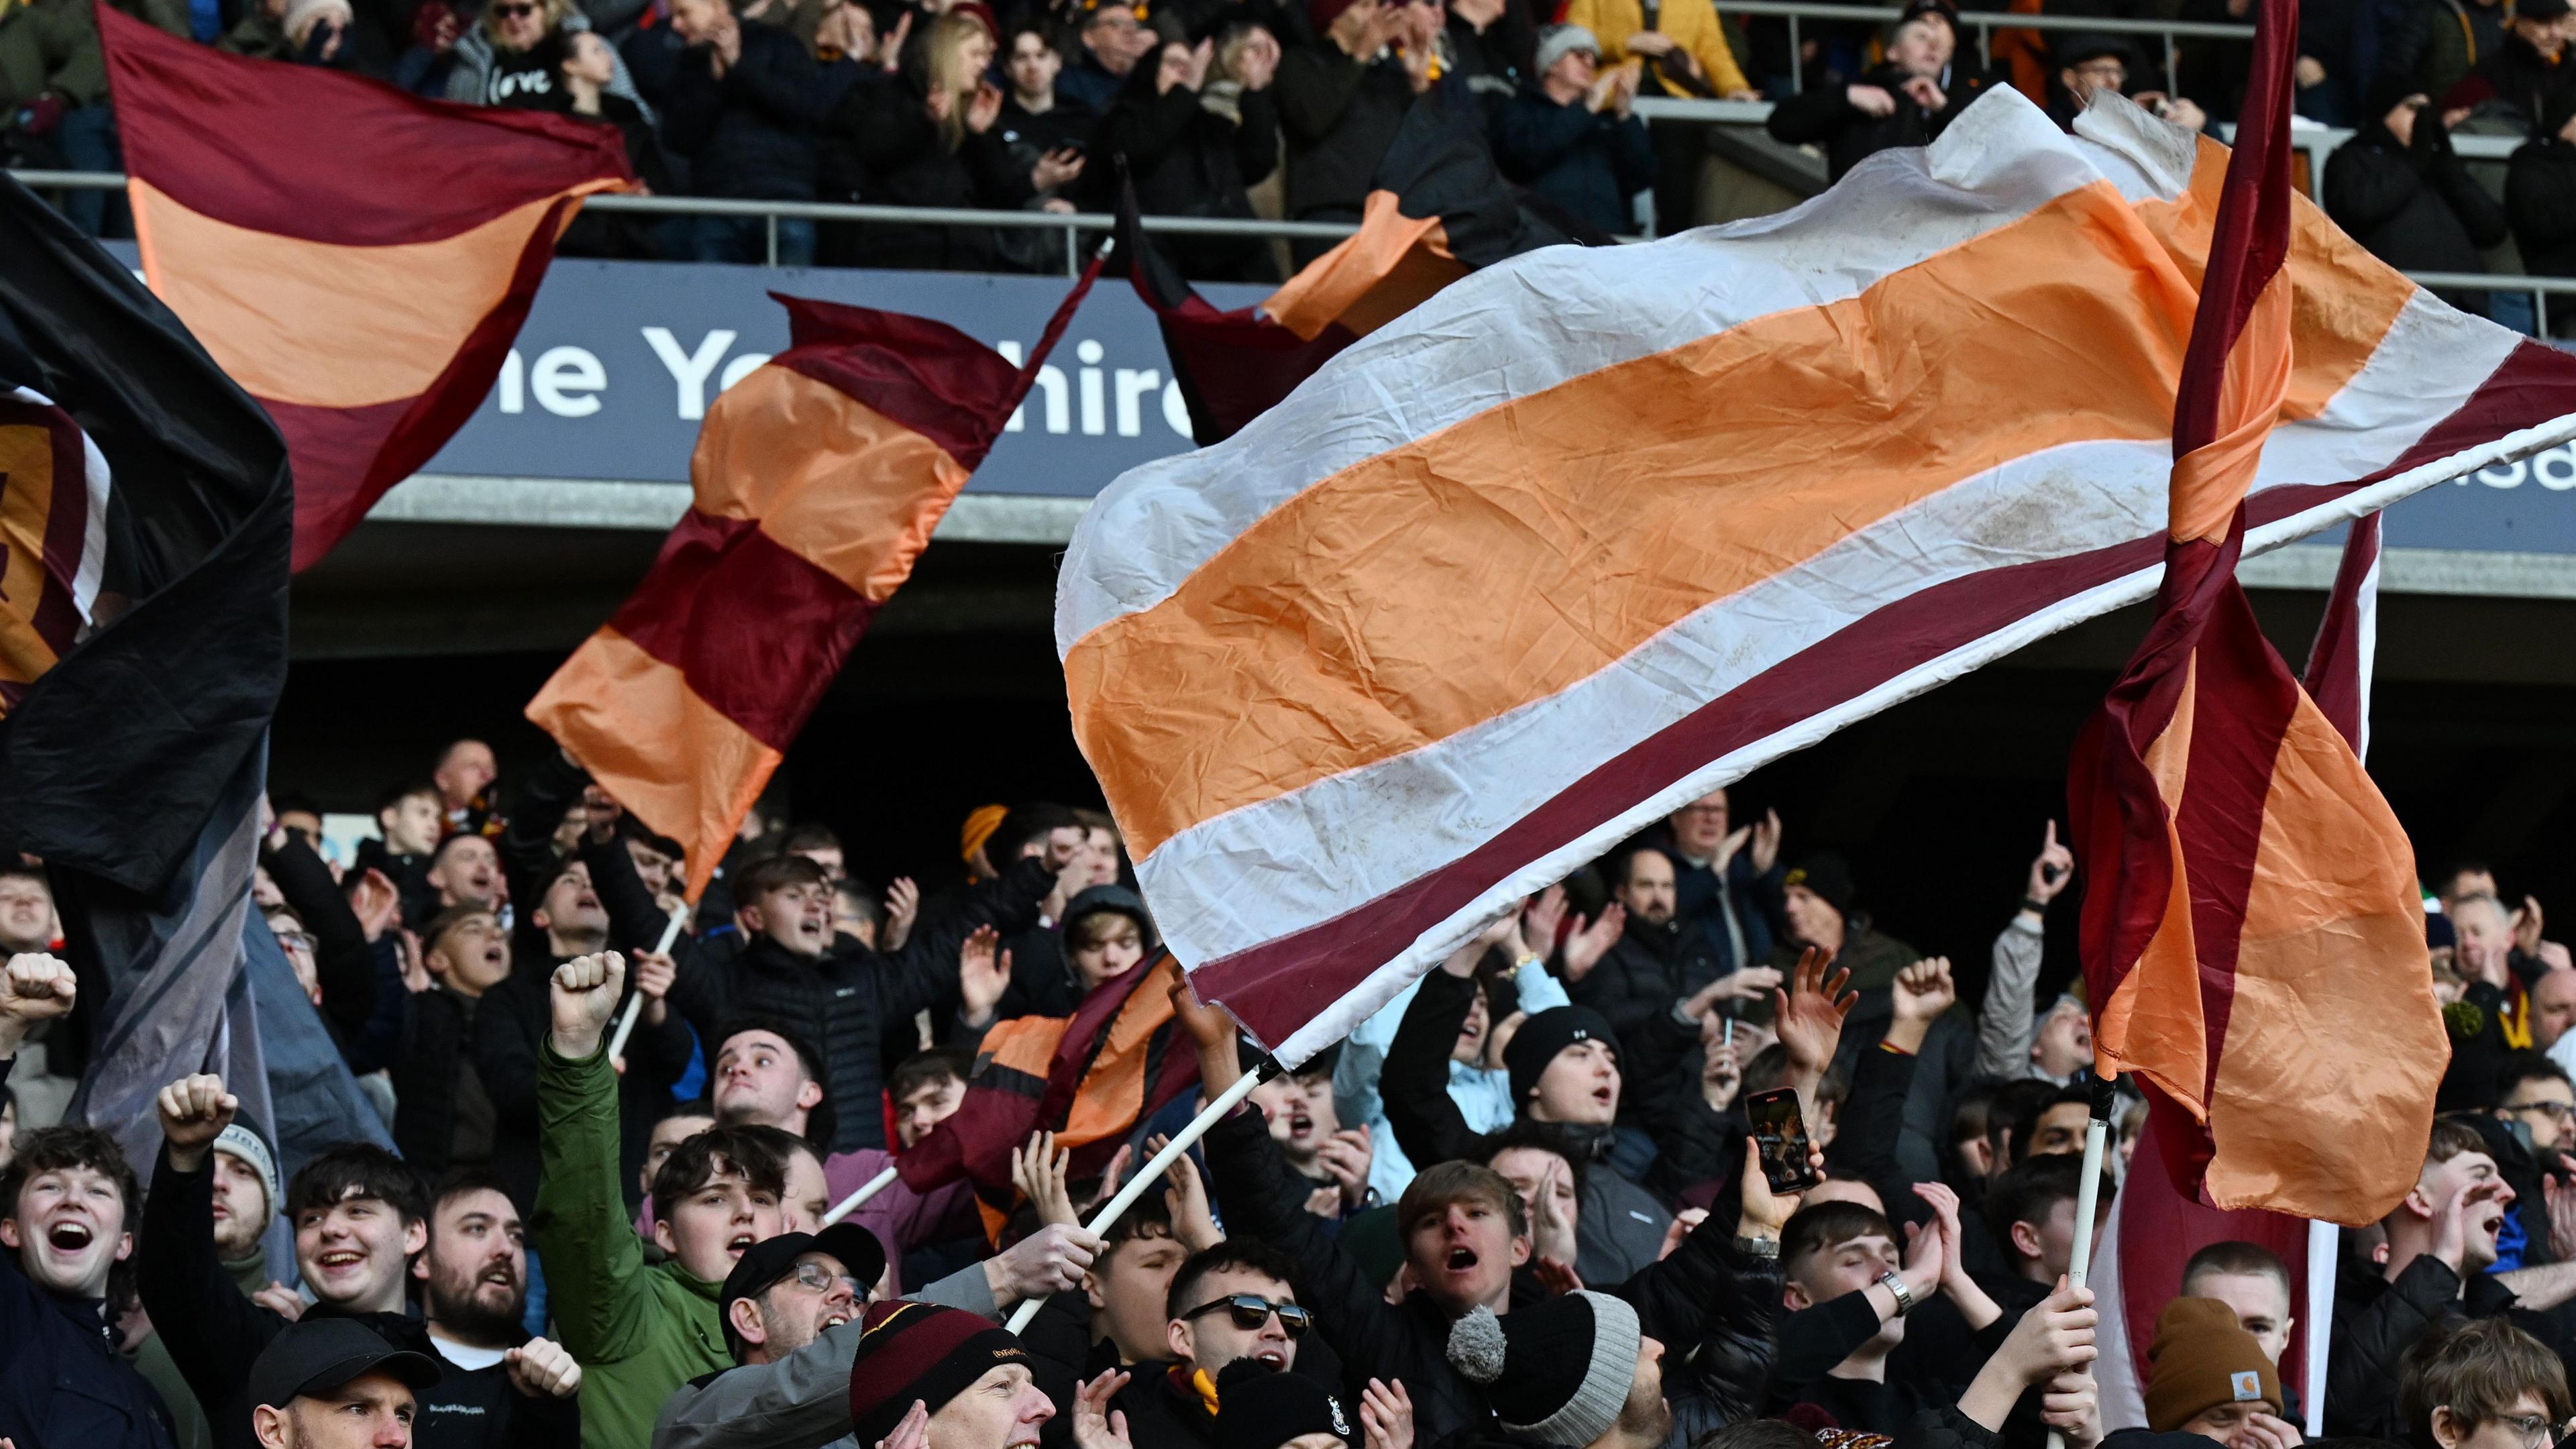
x=1825 y=115
x=1706 y=1293
x=2540 y=197
x=2376 y=1321
x=1649 y=968
x=850 y=998
x=752 y=132
x=2414 y=206
x=1339 y=115
x=1192 y=153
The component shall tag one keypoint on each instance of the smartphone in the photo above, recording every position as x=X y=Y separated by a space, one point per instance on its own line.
x=1780 y=1130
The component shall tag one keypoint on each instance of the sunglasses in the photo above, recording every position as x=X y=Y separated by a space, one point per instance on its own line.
x=1251 y=1310
x=514 y=12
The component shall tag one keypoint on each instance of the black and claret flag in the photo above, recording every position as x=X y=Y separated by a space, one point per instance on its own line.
x=1437 y=210
x=146 y=517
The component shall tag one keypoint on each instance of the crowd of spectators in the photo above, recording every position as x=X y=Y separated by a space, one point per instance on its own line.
x=1525 y=1204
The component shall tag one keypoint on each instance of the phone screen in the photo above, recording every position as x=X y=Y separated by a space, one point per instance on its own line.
x=1780 y=1131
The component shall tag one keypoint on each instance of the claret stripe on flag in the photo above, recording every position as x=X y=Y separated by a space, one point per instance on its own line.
x=817 y=481
x=1592 y=531
x=366 y=290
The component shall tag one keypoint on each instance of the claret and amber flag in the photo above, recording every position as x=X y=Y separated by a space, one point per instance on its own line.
x=2253 y=936
x=818 y=479
x=357 y=258
x=1592 y=531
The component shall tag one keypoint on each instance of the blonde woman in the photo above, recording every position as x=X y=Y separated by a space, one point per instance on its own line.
x=927 y=138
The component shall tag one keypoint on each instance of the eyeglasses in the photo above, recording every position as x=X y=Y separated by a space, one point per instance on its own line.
x=2561 y=1111
x=294 y=940
x=811 y=1275
x=2535 y=1430
x=1251 y=1310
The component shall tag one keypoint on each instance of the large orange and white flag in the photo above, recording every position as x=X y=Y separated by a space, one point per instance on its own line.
x=1593 y=531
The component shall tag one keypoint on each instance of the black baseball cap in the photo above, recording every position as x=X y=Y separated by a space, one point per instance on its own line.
x=767 y=1261
x=318 y=1355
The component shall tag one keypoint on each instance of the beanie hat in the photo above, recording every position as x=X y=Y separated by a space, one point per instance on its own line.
x=920 y=1351
x=2539 y=9
x=1322 y=13
x=1260 y=1407
x=1557 y=1371
x=1542 y=1037
x=245 y=1144
x=1556 y=42
x=2201 y=1359
x=1825 y=875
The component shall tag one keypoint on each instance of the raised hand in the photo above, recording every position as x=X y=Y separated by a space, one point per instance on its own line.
x=2265 y=1431
x=33 y=987
x=281 y=1300
x=1209 y=1027
x=902 y=906
x=1386 y=1415
x=2050 y=872
x=542 y=1369
x=1345 y=1156
x=984 y=109
x=1684 y=1223
x=1095 y=1424
x=1921 y=993
x=1551 y=1230
x=1764 y=1210
x=1048 y=1261
x=1766 y=842
x=1590 y=942
x=1540 y=915
x=375 y=902
x=1809 y=1015
x=2527 y=926
x=2072 y=1405
x=194 y=1112
x=914 y=1430
x=655 y=974
x=1721 y=1076
x=1185 y=1199
x=1039 y=1171
x=982 y=975
x=581 y=998
x=2053 y=1337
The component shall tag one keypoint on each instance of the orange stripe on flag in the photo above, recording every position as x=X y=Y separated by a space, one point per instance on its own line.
x=327 y=325
x=829 y=479
x=2209 y=482
x=1602 y=498
x=1371 y=278
x=2160 y=1001
x=622 y=712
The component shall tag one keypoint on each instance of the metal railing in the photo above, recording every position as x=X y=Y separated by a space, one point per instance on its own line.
x=2538 y=288
x=1070 y=223
x=1987 y=23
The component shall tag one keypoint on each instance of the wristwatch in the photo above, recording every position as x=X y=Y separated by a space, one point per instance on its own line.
x=1896 y=1286
x=1754 y=1247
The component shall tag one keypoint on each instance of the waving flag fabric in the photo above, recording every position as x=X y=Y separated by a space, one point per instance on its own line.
x=1090 y=1078
x=357 y=258
x=2253 y=938
x=1596 y=530
x=818 y=480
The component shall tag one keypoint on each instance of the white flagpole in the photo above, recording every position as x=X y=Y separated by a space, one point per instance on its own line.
x=2088 y=1195
x=851 y=1204
x=635 y=1003
x=1152 y=1172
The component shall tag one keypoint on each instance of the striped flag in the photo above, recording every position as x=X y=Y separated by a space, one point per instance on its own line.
x=818 y=480
x=1091 y=1079
x=1595 y=531
x=357 y=258
x=2252 y=935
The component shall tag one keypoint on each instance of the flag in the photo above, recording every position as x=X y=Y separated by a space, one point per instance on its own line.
x=1091 y=1079
x=1437 y=210
x=195 y=982
x=2157 y=1220
x=818 y=479
x=359 y=259
x=144 y=510
x=1597 y=530
x=2252 y=937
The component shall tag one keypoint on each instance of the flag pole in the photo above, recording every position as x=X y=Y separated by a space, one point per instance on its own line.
x=2088 y=1195
x=1154 y=1168
x=635 y=1003
x=851 y=1204
x=2325 y=1255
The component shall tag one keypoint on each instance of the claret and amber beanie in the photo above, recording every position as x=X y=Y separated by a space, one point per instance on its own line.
x=920 y=1351
x=2201 y=1359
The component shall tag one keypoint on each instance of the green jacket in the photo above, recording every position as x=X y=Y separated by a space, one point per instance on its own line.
x=48 y=45
x=639 y=1331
